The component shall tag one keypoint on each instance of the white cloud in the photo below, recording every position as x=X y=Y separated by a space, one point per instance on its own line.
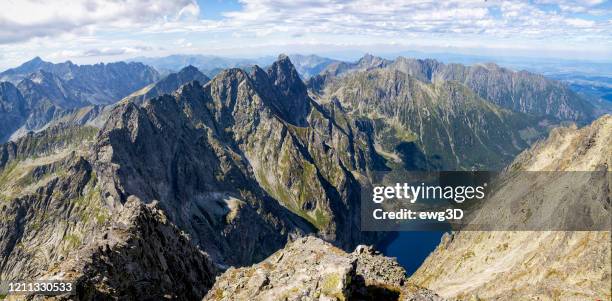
x=400 y=17
x=99 y=29
x=579 y=22
x=25 y=19
x=97 y=52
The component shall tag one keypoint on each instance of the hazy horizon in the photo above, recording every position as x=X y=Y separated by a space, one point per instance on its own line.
x=534 y=64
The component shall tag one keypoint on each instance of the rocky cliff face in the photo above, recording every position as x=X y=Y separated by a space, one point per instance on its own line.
x=224 y=158
x=43 y=86
x=434 y=126
x=543 y=265
x=48 y=200
x=245 y=163
x=221 y=160
x=311 y=269
x=48 y=97
x=13 y=109
x=517 y=91
x=57 y=225
x=139 y=255
x=224 y=161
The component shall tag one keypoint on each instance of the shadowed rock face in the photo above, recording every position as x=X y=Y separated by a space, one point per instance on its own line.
x=311 y=269
x=543 y=265
x=57 y=225
x=13 y=109
x=286 y=89
x=222 y=158
x=140 y=255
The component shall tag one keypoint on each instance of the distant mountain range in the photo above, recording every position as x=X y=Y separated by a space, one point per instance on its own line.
x=208 y=64
x=306 y=65
x=519 y=91
x=168 y=84
x=64 y=92
x=94 y=84
x=49 y=91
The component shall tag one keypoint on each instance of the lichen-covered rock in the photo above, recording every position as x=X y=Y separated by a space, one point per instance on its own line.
x=311 y=269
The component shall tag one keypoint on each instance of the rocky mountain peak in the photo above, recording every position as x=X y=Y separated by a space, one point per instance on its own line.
x=191 y=73
x=258 y=74
x=14 y=75
x=190 y=69
x=371 y=61
x=283 y=73
x=491 y=66
x=33 y=62
x=138 y=243
x=293 y=95
x=367 y=57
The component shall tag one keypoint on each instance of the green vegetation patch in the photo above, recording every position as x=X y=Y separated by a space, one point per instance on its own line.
x=72 y=241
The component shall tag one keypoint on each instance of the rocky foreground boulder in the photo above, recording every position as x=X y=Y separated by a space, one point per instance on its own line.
x=312 y=269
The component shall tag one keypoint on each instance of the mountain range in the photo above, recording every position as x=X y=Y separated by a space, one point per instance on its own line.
x=184 y=176
x=50 y=91
x=519 y=91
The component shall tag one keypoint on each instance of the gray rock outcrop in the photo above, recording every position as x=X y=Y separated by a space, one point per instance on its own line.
x=311 y=269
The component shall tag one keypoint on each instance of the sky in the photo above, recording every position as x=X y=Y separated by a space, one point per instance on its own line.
x=89 y=31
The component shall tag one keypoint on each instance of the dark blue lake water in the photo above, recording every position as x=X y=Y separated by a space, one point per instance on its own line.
x=411 y=247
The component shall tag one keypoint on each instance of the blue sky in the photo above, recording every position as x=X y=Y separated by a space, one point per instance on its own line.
x=214 y=9
x=88 y=31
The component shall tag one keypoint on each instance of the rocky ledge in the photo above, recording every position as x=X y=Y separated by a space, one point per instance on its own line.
x=312 y=269
x=141 y=256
